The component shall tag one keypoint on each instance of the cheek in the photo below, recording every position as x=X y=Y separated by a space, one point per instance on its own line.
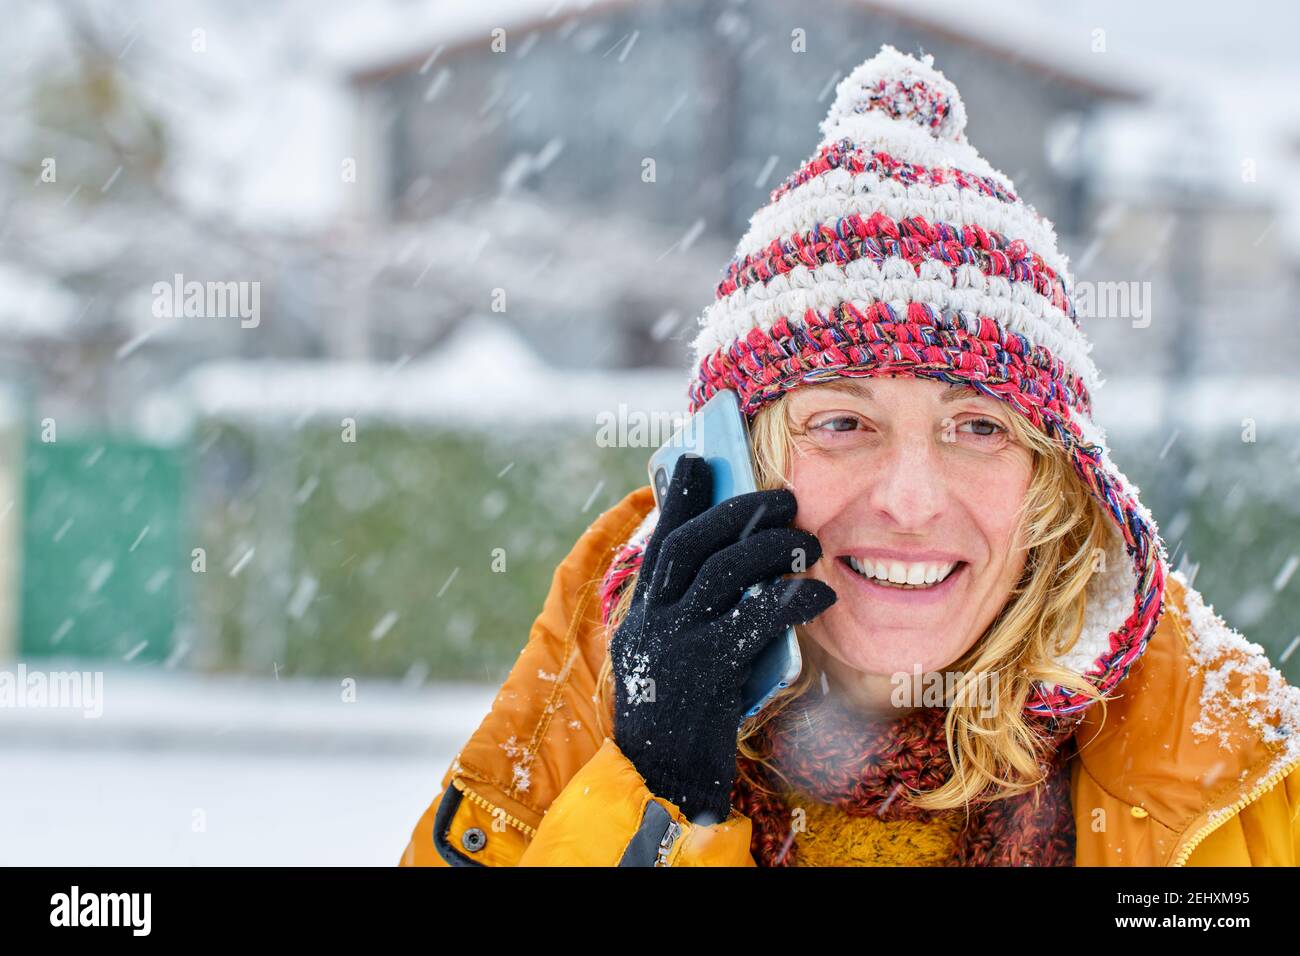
x=993 y=498
x=821 y=490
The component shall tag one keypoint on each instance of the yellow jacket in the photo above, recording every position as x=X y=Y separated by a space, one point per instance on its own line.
x=1196 y=763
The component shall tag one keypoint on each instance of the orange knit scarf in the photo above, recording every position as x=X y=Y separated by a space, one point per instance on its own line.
x=861 y=766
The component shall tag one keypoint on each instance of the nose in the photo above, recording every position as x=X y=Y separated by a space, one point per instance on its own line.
x=908 y=486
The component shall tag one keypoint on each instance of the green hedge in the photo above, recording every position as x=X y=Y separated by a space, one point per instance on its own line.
x=1234 y=507
x=376 y=557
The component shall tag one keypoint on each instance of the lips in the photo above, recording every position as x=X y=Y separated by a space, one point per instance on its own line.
x=902 y=573
x=907 y=594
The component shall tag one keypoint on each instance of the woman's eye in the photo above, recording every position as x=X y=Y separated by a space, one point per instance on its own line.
x=838 y=431
x=985 y=427
x=841 y=423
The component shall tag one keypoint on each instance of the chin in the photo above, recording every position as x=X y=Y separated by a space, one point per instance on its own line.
x=888 y=650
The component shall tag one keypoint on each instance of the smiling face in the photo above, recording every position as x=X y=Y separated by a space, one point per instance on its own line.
x=913 y=487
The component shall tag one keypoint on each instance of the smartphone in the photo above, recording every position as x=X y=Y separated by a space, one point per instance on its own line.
x=718 y=433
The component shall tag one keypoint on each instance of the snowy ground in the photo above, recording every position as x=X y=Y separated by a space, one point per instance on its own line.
x=191 y=771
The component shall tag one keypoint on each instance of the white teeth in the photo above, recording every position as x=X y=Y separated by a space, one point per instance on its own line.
x=919 y=574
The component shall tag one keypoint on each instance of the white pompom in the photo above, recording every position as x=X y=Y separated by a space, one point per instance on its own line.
x=903 y=88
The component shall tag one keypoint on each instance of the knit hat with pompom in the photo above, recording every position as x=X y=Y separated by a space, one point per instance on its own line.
x=897 y=249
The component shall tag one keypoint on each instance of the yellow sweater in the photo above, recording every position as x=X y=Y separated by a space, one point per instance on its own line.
x=826 y=836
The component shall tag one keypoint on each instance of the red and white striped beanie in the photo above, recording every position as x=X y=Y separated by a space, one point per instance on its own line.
x=896 y=248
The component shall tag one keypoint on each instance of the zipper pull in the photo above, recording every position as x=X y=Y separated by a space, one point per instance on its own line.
x=666 y=844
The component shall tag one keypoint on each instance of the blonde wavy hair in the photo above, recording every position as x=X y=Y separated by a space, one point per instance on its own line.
x=993 y=757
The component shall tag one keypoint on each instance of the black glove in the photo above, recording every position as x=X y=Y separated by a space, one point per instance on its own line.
x=689 y=641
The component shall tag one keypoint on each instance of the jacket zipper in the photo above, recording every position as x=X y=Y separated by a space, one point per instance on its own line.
x=514 y=821
x=1227 y=813
x=666 y=844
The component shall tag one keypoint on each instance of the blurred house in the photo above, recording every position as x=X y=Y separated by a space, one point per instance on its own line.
x=588 y=183
x=1203 y=216
x=538 y=152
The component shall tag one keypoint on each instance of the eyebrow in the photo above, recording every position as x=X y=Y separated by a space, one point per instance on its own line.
x=954 y=393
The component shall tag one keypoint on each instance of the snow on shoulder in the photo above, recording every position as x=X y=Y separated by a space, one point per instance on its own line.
x=1239 y=682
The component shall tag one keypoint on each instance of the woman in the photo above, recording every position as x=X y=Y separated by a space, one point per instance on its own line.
x=999 y=667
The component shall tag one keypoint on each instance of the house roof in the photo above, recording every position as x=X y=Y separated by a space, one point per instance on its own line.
x=1035 y=43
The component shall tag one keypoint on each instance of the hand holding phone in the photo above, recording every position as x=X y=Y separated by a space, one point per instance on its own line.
x=684 y=652
x=718 y=433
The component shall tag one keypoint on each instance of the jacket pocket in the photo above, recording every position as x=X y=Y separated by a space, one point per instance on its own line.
x=606 y=816
x=464 y=828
